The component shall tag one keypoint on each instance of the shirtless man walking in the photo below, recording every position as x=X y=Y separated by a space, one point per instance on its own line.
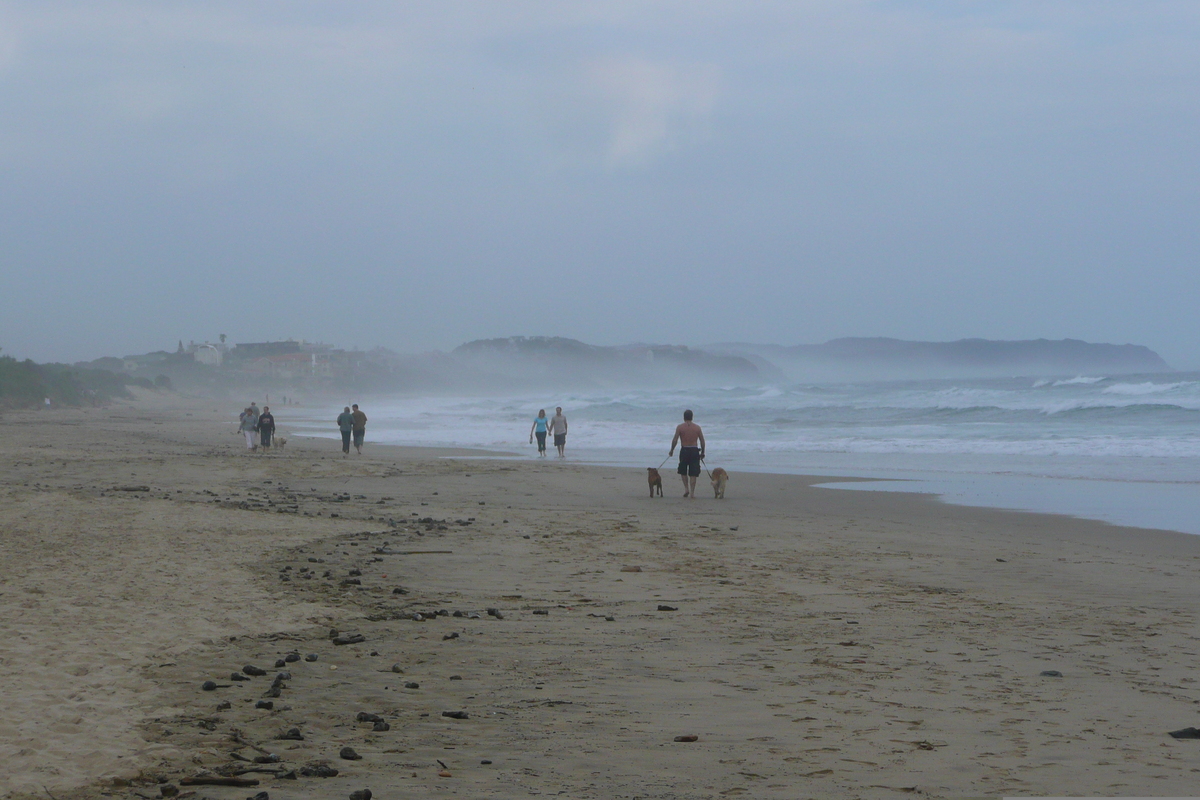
x=687 y=434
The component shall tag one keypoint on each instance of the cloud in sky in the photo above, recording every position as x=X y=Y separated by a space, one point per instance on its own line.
x=783 y=171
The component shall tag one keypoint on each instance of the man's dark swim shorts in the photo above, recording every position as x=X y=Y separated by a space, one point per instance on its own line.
x=689 y=461
x=560 y=439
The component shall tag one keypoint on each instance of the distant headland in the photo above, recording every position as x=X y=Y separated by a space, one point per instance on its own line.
x=522 y=363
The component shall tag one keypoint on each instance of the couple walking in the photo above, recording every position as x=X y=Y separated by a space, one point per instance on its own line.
x=352 y=424
x=556 y=425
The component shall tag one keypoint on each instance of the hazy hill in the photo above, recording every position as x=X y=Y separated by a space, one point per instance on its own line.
x=521 y=361
x=884 y=359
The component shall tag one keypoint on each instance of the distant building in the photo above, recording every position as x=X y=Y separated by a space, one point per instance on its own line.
x=250 y=350
x=291 y=366
x=208 y=354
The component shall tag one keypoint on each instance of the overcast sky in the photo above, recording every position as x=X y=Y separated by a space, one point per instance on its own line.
x=416 y=175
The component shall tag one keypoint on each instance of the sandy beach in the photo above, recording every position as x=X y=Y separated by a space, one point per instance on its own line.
x=816 y=643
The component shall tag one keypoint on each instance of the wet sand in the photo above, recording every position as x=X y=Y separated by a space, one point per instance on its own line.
x=821 y=643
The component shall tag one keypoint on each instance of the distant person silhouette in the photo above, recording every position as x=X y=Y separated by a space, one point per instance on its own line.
x=345 y=423
x=360 y=427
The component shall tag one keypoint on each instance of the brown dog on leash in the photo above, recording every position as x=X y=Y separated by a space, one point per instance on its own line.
x=655 y=481
x=719 y=478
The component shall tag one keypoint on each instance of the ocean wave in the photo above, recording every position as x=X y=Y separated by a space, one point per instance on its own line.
x=1078 y=380
x=1138 y=389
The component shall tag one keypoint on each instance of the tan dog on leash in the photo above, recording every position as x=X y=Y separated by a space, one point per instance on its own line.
x=655 y=481
x=719 y=478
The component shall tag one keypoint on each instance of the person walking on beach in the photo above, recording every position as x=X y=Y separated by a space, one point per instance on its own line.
x=360 y=428
x=266 y=427
x=558 y=427
x=249 y=426
x=539 y=428
x=690 y=439
x=345 y=423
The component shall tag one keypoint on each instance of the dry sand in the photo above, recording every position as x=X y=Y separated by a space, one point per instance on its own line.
x=825 y=643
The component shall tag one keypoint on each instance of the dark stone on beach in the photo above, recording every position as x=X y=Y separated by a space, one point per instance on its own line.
x=168 y=790
x=260 y=796
x=412 y=685
x=399 y=590
x=318 y=771
x=257 y=672
x=275 y=691
x=311 y=657
x=333 y=633
x=452 y=635
x=485 y=761
x=280 y=677
x=290 y=775
x=1185 y=733
x=367 y=716
x=458 y=614
x=456 y=714
x=279 y=663
x=361 y=794
x=495 y=612
x=733 y=528
x=354 y=573
x=237 y=676
x=267 y=704
x=396 y=668
x=209 y=686
x=662 y=607
x=691 y=737
x=456 y=677
x=381 y=726
x=354 y=638
x=293 y=734
x=224 y=705
x=542 y=611
x=1050 y=673
x=352 y=582
x=349 y=754
x=312 y=560
x=291 y=658
x=269 y=758
x=610 y=619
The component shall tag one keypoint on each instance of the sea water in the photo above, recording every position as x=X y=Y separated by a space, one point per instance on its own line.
x=1121 y=449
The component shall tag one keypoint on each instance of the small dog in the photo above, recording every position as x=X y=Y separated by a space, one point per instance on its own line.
x=655 y=481
x=279 y=442
x=719 y=478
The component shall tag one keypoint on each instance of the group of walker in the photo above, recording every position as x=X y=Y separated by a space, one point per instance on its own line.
x=688 y=436
x=257 y=426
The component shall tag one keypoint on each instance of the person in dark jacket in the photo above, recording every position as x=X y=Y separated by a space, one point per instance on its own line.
x=266 y=427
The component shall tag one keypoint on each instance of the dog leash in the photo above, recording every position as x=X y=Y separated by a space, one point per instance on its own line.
x=665 y=460
x=706 y=472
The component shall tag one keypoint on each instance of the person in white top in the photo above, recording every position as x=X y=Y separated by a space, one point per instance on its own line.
x=558 y=427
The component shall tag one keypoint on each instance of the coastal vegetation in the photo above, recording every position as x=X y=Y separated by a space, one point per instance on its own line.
x=25 y=384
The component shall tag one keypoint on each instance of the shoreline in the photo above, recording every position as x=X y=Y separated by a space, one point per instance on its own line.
x=1088 y=499
x=821 y=642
